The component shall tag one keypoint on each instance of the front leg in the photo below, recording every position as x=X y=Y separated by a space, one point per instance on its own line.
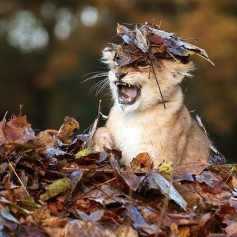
x=101 y=140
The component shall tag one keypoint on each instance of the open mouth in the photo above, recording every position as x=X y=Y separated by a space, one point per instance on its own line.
x=127 y=94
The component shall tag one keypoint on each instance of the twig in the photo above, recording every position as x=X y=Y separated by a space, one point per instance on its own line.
x=51 y=131
x=142 y=205
x=153 y=71
x=21 y=107
x=58 y=173
x=106 y=171
x=131 y=199
x=162 y=212
x=115 y=221
x=94 y=125
x=108 y=181
x=105 y=193
x=164 y=207
x=129 y=205
x=4 y=117
x=230 y=173
x=149 y=75
x=10 y=164
x=172 y=56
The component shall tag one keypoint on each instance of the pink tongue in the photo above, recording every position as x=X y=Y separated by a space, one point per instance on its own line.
x=129 y=91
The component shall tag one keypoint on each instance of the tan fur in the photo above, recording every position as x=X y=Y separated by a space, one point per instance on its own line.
x=168 y=134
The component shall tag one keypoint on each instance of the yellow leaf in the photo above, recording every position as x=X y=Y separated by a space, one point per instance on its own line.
x=166 y=168
x=84 y=152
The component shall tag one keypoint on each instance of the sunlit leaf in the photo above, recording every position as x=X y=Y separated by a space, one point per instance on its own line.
x=84 y=152
x=59 y=186
x=157 y=181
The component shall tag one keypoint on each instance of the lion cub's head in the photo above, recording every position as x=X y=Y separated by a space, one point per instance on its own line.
x=134 y=87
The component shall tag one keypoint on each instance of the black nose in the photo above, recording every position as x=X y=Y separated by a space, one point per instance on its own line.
x=120 y=75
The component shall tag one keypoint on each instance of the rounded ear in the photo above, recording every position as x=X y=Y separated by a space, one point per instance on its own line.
x=108 y=57
x=177 y=70
x=184 y=69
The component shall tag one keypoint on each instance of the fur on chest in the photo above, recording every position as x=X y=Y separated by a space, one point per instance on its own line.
x=134 y=134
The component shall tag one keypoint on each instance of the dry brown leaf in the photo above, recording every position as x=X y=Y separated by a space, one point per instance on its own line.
x=142 y=162
x=204 y=219
x=231 y=230
x=211 y=182
x=17 y=130
x=184 y=231
x=174 y=230
x=70 y=125
x=43 y=218
x=150 y=216
x=126 y=231
x=233 y=182
x=47 y=138
x=54 y=231
x=191 y=197
x=212 y=198
x=194 y=168
x=77 y=228
x=30 y=231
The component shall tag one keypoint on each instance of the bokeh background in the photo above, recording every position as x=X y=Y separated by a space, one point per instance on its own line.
x=47 y=46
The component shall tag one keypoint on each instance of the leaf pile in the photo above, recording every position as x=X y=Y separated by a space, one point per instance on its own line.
x=52 y=184
x=148 y=43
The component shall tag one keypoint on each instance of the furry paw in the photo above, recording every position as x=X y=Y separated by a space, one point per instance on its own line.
x=101 y=140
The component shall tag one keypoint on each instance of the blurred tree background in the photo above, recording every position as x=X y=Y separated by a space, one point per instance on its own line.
x=47 y=46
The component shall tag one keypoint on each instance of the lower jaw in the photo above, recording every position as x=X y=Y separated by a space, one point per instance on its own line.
x=122 y=103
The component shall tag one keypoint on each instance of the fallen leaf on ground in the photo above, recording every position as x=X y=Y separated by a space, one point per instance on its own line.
x=69 y=126
x=17 y=130
x=50 y=190
x=59 y=186
x=157 y=181
x=142 y=162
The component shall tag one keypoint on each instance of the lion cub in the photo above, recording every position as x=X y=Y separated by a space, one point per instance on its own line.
x=138 y=121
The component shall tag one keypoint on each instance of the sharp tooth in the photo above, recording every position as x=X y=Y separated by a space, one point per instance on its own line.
x=129 y=86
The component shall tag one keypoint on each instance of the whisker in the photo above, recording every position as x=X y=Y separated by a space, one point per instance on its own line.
x=103 y=86
x=99 y=85
x=87 y=74
x=102 y=74
x=106 y=94
x=96 y=85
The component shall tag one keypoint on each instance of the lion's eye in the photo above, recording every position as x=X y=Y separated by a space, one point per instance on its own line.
x=116 y=58
x=142 y=63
